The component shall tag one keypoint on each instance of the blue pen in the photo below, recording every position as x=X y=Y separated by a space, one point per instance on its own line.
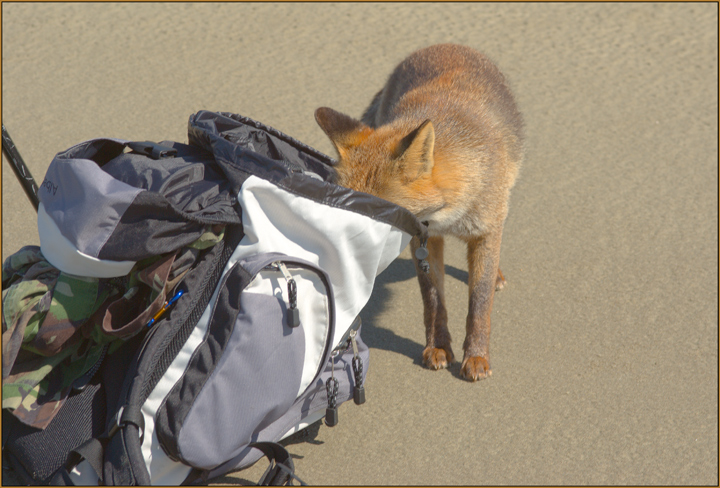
x=165 y=308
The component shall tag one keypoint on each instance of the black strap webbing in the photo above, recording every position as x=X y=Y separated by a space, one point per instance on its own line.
x=92 y=451
x=281 y=470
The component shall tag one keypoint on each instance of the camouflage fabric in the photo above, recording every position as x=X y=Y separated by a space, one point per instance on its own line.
x=211 y=237
x=43 y=309
x=56 y=327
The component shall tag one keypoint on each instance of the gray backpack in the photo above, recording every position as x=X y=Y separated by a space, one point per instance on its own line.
x=255 y=335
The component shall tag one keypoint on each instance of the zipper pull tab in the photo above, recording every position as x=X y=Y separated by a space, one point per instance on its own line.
x=421 y=254
x=359 y=390
x=293 y=317
x=331 y=413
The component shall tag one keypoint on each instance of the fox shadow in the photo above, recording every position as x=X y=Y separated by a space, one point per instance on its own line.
x=378 y=337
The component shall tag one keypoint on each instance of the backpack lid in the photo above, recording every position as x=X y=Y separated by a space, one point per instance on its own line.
x=243 y=146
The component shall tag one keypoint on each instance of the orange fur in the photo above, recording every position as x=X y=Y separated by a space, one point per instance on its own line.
x=443 y=138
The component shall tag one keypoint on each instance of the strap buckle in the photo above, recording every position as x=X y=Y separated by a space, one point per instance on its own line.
x=121 y=419
x=152 y=149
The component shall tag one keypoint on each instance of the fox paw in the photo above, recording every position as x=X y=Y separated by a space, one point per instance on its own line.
x=437 y=358
x=475 y=368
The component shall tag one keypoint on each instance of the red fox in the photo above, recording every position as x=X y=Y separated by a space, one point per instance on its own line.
x=444 y=139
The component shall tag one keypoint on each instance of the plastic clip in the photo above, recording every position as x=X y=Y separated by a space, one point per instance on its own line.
x=153 y=149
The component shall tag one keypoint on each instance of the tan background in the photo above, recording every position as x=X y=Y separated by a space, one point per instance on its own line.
x=604 y=343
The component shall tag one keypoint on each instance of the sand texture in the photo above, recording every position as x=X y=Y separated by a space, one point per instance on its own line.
x=605 y=340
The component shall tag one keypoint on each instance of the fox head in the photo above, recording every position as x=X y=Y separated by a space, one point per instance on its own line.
x=388 y=162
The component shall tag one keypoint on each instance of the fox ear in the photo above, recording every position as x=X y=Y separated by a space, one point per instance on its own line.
x=340 y=128
x=415 y=151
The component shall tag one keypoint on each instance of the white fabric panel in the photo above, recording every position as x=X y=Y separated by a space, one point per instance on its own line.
x=352 y=248
x=63 y=254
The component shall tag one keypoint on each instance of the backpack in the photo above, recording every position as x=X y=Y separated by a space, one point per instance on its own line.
x=197 y=303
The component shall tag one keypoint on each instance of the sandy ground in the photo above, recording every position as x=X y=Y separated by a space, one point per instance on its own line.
x=605 y=341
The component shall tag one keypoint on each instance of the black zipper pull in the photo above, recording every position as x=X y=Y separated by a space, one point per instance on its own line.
x=293 y=317
x=331 y=413
x=357 y=365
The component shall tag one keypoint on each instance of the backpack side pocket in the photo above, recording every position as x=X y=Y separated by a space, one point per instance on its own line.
x=252 y=364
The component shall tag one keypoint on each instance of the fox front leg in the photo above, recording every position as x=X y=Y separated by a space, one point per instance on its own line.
x=438 y=353
x=484 y=277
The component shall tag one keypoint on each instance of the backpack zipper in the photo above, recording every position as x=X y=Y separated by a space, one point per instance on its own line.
x=328 y=350
x=293 y=316
x=345 y=341
x=331 y=385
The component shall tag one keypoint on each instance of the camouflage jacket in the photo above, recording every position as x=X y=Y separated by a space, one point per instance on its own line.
x=57 y=328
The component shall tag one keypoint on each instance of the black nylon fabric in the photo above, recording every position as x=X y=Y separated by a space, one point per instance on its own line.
x=191 y=182
x=265 y=141
x=118 y=469
x=151 y=226
x=183 y=195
